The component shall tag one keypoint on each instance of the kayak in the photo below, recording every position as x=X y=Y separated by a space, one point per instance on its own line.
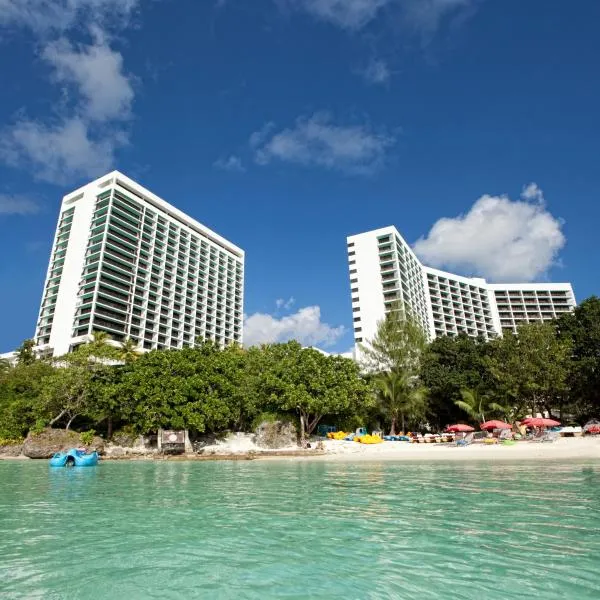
x=74 y=458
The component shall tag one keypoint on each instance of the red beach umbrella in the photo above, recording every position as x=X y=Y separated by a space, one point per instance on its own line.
x=540 y=422
x=459 y=427
x=495 y=425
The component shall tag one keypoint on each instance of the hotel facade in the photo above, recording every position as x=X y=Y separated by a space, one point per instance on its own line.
x=127 y=263
x=385 y=272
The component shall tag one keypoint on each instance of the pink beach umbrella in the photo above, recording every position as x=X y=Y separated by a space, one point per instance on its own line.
x=459 y=427
x=495 y=425
x=539 y=422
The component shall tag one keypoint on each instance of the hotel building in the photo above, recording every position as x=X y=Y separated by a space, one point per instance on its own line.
x=385 y=272
x=128 y=263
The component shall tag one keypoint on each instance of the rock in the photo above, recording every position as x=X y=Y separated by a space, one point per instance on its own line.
x=11 y=449
x=49 y=441
x=276 y=434
x=126 y=439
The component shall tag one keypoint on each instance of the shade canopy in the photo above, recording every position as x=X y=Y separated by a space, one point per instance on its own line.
x=495 y=425
x=459 y=427
x=540 y=422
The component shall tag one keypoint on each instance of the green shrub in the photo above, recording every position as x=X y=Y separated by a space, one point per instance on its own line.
x=87 y=437
x=10 y=441
x=271 y=417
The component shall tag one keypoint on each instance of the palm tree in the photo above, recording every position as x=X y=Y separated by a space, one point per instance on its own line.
x=400 y=398
x=474 y=403
x=129 y=351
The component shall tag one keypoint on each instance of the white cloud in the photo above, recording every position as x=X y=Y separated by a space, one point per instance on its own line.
x=501 y=239
x=232 y=163
x=17 y=205
x=348 y=14
x=424 y=16
x=81 y=140
x=305 y=326
x=96 y=71
x=376 y=72
x=47 y=16
x=531 y=191
x=58 y=152
x=315 y=140
x=285 y=304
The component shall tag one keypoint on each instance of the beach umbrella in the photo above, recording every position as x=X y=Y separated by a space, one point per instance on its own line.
x=592 y=426
x=495 y=425
x=539 y=422
x=459 y=427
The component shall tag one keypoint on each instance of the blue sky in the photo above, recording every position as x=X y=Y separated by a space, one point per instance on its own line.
x=286 y=125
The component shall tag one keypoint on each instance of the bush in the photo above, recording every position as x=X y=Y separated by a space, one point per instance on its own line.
x=272 y=417
x=87 y=437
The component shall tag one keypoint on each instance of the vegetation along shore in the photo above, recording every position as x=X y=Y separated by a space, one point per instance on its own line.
x=101 y=391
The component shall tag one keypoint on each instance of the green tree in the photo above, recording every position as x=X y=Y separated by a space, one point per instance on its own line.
x=398 y=345
x=476 y=404
x=25 y=353
x=582 y=330
x=450 y=365
x=128 y=351
x=311 y=384
x=393 y=358
x=179 y=389
x=531 y=368
x=68 y=392
x=20 y=391
x=399 y=397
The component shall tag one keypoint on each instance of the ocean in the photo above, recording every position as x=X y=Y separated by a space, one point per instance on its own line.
x=300 y=529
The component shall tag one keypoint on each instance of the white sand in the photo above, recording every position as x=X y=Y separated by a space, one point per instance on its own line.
x=561 y=449
x=238 y=443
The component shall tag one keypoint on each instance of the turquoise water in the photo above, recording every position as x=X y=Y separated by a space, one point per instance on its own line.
x=300 y=530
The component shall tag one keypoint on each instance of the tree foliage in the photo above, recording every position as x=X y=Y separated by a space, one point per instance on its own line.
x=393 y=358
x=546 y=367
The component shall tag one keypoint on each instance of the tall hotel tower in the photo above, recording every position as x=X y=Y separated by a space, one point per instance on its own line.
x=127 y=263
x=384 y=271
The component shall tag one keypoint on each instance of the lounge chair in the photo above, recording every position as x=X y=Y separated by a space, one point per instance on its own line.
x=548 y=436
x=466 y=441
x=505 y=434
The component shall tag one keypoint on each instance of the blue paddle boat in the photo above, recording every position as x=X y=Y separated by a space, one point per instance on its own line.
x=74 y=458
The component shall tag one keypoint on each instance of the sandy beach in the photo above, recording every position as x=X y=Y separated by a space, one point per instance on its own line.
x=561 y=449
x=341 y=451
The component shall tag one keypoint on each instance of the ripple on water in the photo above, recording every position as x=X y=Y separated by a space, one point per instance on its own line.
x=300 y=530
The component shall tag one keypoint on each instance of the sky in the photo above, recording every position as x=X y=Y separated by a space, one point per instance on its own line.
x=287 y=125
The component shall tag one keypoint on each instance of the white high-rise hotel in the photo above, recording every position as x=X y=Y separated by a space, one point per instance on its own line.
x=385 y=271
x=127 y=263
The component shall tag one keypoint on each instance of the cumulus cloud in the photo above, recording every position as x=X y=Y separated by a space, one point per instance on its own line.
x=305 y=326
x=81 y=140
x=499 y=238
x=232 y=163
x=96 y=72
x=376 y=72
x=316 y=141
x=59 y=152
x=17 y=205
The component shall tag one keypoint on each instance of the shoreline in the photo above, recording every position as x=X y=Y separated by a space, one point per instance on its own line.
x=566 y=449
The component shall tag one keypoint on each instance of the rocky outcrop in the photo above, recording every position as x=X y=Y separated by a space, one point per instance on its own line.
x=276 y=434
x=11 y=449
x=49 y=441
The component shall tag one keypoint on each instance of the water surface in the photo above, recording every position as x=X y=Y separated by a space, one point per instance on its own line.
x=260 y=530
